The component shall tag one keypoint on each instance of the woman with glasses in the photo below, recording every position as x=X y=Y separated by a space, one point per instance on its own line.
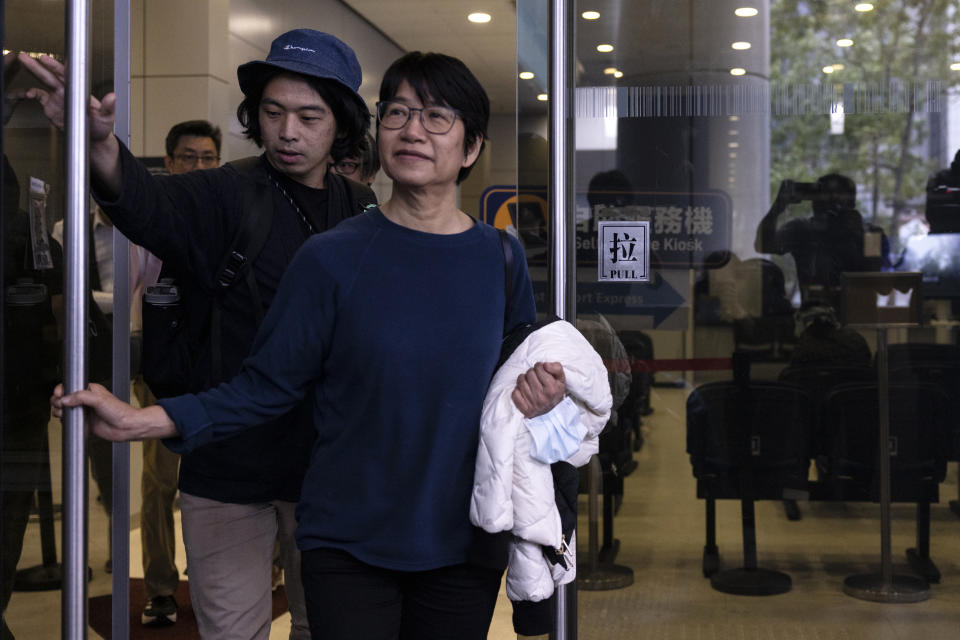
x=392 y=323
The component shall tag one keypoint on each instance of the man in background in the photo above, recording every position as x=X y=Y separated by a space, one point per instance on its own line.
x=190 y=145
x=363 y=166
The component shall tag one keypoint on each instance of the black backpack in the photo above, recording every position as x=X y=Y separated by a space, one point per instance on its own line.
x=169 y=360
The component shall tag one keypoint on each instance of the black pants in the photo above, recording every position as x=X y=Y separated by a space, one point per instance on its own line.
x=348 y=599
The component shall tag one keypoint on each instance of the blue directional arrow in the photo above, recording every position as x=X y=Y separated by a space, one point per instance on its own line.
x=657 y=298
x=662 y=298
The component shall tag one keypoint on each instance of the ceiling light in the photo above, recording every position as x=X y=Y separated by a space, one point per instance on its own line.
x=542 y=97
x=745 y=12
x=740 y=46
x=526 y=75
x=955 y=66
x=828 y=69
x=609 y=71
x=837 y=66
x=604 y=48
x=733 y=132
x=590 y=15
x=733 y=145
x=732 y=154
x=737 y=71
x=844 y=42
x=618 y=74
x=734 y=118
x=479 y=17
x=863 y=7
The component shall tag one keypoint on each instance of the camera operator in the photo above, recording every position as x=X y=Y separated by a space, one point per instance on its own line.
x=943 y=199
x=826 y=244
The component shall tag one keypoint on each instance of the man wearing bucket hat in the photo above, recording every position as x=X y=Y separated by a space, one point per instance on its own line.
x=302 y=107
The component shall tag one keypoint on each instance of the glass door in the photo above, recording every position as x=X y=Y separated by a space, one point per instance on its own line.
x=763 y=204
x=33 y=337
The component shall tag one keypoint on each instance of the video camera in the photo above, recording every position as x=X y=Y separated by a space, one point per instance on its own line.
x=833 y=192
x=943 y=209
x=803 y=190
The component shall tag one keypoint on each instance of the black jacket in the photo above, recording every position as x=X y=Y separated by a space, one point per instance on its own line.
x=189 y=222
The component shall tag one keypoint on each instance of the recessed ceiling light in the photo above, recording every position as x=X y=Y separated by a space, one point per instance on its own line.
x=609 y=71
x=863 y=7
x=733 y=145
x=740 y=46
x=542 y=97
x=734 y=132
x=526 y=75
x=618 y=74
x=590 y=15
x=604 y=48
x=732 y=154
x=837 y=66
x=828 y=69
x=734 y=118
x=844 y=42
x=737 y=71
x=745 y=12
x=479 y=17
x=955 y=66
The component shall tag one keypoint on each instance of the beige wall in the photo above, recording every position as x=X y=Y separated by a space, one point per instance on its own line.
x=184 y=56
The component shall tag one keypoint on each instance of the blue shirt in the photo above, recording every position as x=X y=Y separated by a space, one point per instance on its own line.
x=395 y=334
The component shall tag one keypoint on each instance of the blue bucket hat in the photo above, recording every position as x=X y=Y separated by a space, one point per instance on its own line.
x=310 y=53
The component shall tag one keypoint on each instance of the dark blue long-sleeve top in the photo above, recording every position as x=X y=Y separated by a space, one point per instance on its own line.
x=395 y=334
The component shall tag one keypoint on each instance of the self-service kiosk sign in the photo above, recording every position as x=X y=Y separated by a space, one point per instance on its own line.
x=623 y=251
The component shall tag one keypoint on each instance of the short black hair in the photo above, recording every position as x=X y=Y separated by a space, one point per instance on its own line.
x=199 y=128
x=444 y=80
x=611 y=188
x=835 y=190
x=349 y=111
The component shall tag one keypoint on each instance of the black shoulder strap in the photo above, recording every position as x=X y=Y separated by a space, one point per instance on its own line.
x=507 y=274
x=346 y=199
x=254 y=228
x=247 y=243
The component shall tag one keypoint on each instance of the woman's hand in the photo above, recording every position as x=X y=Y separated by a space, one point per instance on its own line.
x=112 y=419
x=540 y=389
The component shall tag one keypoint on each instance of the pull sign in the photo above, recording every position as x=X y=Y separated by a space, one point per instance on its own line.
x=624 y=251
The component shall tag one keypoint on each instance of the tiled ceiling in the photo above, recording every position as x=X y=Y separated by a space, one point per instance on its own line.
x=653 y=40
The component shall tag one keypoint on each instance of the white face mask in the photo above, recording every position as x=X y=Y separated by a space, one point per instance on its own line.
x=556 y=435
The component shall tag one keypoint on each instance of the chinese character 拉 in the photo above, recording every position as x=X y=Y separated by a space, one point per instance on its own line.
x=622 y=248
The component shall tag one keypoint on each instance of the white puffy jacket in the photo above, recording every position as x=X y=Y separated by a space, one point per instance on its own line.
x=512 y=491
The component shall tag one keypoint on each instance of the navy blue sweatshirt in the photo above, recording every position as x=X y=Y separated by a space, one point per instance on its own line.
x=395 y=334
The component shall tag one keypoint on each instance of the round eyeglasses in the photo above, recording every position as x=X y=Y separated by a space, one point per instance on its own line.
x=436 y=119
x=346 y=167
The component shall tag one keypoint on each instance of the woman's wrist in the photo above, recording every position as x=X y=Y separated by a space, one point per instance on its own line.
x=154 y=423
